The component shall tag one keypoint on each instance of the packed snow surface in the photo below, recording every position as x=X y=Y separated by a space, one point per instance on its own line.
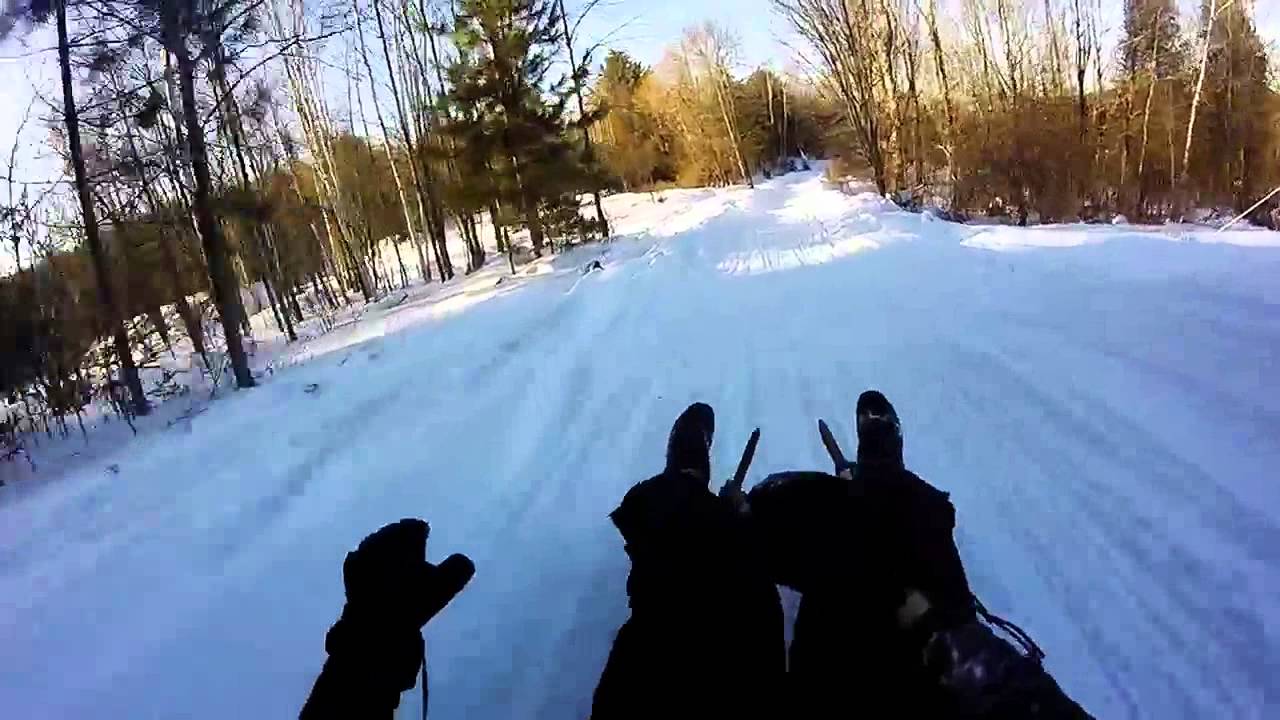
x=1102 y=403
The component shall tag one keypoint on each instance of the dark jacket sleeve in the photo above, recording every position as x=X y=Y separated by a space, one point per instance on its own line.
x=367 y=669
x=343 y=690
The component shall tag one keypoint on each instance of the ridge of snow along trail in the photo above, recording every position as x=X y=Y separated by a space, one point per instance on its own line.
x=1100 y=401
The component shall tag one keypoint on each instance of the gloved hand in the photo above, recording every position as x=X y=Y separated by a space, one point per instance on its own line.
x=376 y=648
x=388 y=579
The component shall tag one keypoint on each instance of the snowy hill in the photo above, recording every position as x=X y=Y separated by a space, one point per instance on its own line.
x=1101 y=402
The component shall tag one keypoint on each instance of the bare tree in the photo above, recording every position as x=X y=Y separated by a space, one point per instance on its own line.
x=841 y=33
x=713 y=48
x=424 y=268
x=1152 y=81
x=582 y=112
x=1210 y=19
x=940 y=69
x=106 y=293
x=1083 y=50
x=427 y=210
x=176 y=22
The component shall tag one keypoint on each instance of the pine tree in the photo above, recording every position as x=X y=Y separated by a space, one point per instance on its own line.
x=510 y=115
x=628 y=136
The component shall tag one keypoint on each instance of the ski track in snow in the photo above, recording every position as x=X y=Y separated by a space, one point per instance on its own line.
x=1100 y=402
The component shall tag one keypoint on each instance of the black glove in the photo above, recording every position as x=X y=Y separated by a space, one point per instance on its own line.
x=388 y=579
x=376 y=648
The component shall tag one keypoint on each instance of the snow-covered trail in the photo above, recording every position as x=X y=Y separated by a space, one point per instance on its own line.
x=1105 y=416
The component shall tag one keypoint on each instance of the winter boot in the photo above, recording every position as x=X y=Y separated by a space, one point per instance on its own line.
x=689 y=445
x=879 y=432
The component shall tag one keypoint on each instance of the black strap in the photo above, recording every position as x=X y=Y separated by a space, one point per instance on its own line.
x=424 y=681
x=1018 y=634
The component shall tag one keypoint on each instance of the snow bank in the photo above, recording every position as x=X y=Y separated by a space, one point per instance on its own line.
x=1009 y=238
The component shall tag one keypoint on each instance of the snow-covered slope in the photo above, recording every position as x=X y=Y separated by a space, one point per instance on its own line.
x=1101 y=403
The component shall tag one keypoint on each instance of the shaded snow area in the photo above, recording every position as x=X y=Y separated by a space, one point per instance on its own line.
x=1101 y=402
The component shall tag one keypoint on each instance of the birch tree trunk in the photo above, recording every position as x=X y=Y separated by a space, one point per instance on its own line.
x=424 y=204
x=423 y=268
x=1146 y=116
x=1195 y=97
x=419 y=102
x=308 y=100
x=726 y=112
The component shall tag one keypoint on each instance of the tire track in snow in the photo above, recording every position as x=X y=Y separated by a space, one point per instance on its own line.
x=1136 y=557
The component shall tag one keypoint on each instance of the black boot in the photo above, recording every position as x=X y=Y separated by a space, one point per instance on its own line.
x=879 y=432
x=689 y=445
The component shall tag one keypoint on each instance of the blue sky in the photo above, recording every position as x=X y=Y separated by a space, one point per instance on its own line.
x=645 y=29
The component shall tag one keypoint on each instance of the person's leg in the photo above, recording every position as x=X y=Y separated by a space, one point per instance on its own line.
x=705 y=635
x=850 y=660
